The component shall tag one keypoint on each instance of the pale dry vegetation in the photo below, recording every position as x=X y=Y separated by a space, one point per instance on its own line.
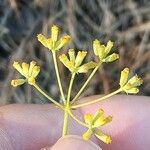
x=126 y=22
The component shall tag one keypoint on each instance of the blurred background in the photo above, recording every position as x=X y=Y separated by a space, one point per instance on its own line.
x=125 y=22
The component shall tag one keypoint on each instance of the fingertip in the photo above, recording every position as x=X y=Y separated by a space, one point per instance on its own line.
x=74 y=143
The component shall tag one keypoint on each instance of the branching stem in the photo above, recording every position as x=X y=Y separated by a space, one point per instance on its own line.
x=77 y=120
x=47 y=96
x=97 y=100
x=67 y=106
x=86 y=83
x=58 y=76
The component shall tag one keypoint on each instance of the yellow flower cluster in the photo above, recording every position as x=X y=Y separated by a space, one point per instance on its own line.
x=53 y=43
x=94 y=122
x=74 y=63
x=30 y=72
x=102 y=51
x=129 y=86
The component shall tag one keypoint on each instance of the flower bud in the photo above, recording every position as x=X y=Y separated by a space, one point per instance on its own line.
x=25 y=68
x=17 y=82
x=124 y=77
x=135 y=81
x=111 y=58
x=108 y=47
x=86 y=136
x=54 y=33
x=79 y=58
x=105 y=138
x=32 y=64
x=96 y=46
x=42 y=39
x=17 y=66
x=88 y=118
x=132 y=90
x=64 y=59
x=35 y=71
x=71 y=55
x=84 y=68
x=62 y=42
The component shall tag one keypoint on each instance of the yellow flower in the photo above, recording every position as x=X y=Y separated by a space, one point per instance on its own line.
x=74 y=63
x=30 y=73
x=102 y=51
x=94 y=122
x=53 y=43
x=129 y=86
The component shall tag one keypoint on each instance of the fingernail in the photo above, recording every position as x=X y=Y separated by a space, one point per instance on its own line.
x=46 y=148
x=74 y=143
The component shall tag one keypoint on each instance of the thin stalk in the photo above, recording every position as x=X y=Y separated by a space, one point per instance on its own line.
x=97 y=100
x=70 y=87
x=65 y=124
x=77 y=120
x=47 y=96
x=85 y=84
x=58 y=76
x=67 y=108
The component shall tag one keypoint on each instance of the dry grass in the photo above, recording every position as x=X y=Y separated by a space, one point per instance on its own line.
x=126 y=22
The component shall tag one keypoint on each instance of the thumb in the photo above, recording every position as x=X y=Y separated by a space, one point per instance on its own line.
x=73 y=142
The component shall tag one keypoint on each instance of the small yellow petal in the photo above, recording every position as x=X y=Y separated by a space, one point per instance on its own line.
x=86 y=136
x=124 y=77
x=135 y=81
x=42 y=39
x=62 y=42
x=111 y=58
x=54 y=33
x=101 y=52
x=35 y=71
x=65 y=39
x=64 y=59
x=132 y=91
x=88 y=118
x=108 y=47
x=17 y=82
x=107 y=120
x=96 y=46
x=71 y=55
x=17 y=66
x=105 y=138
x=25 y=68
x=127 y=86
x=50 y=44
x=79 y=58
x=99 y=113
x=84 y=68
x=102 y=121
x=32 y=64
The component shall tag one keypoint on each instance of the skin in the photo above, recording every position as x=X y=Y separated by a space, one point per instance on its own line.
x=34 y=126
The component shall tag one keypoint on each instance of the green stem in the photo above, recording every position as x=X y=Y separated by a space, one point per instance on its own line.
x=67 y=107
x=58 y=76
x=77 y=120
x=85 y=84
x=65 y=124
x=47 y=96
x=70 y=87
x=96 y=100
